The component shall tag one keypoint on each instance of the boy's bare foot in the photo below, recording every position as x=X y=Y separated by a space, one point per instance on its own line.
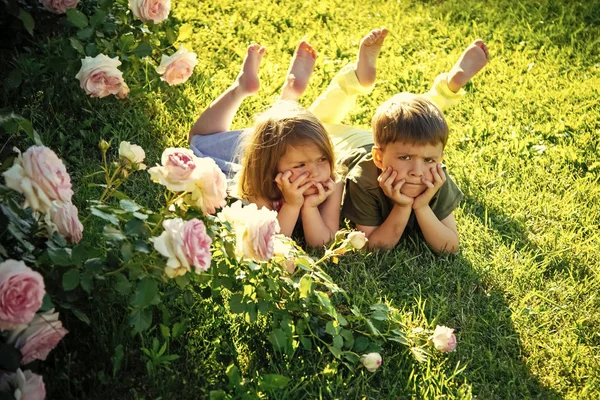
x=370 y=45
x=471 y=61
x=301 y=68
x=247 y=80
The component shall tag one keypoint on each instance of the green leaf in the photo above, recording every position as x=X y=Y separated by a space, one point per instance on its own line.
x=108 y=217
x=85 y=33
x=348 y=338
x=165 y=331
x=337 y=353
x=306 y=342
x=126 y=251
x=332 y=328
x=273 y=381
x=143 y=50
x=81 y=316
x=182 y=281
x=122 y=285
x=87 y=282
x=372 y=328
x=323 y=299
x=136 y=227
x=178 y=329
x=76 y=44
x=145 y=293
x=47 y=303
x=97 y=18
x=117 y=358
x=13 y=79
x=129 y=205
x=60 y=256
x=305 y=286
x=353 y=358
x=338 y=341
x=342 y=320
x=237 y=304
x=77 y=18
x=233 y=373
x=92 y=50
x=113 y=234
x=70 y=279
x=171 y=36
x=360 y=344
x=279 y=339
x=27 y=20
x=217 y=395
x=379 y=315
x=140 y=320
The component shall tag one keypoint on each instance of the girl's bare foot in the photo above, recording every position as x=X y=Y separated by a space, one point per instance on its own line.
x=301 y=68
x=471 y=61
x=370 y=45
x=247 y=80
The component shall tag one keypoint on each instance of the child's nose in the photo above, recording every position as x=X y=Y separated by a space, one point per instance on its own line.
x=416 y=170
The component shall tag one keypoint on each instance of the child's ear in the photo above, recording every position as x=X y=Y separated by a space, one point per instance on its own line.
x=377 y=156
x=442 y=158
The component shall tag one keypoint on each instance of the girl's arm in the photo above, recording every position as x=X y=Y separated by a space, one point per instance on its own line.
x=321 y=219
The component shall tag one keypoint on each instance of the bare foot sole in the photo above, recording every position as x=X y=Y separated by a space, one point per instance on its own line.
x=247 y=79
x=301 y=68
x=472 y=60
x=370 y=45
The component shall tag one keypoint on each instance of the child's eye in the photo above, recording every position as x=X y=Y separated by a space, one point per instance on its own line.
x=404 y=157
x=323 y=159
x=429 y=160
x=299 y=166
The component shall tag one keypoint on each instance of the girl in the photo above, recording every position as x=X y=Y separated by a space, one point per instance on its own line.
x=288 y=160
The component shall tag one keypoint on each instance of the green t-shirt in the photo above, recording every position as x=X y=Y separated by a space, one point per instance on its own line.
x=366 y=204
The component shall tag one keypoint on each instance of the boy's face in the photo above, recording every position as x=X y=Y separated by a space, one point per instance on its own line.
x=412 y=162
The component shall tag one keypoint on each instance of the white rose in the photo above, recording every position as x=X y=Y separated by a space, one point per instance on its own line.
x=132 y=153
x=150 y=10
x=179 y=170
x=66 y=219
x=99 y=77
x=357 y=239
x=177 y=69
x=443 y=339
x=371 y=361
x=171 y=245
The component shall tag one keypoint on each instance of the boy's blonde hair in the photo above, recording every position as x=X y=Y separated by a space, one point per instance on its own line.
x=285 y=124
x=410 y=118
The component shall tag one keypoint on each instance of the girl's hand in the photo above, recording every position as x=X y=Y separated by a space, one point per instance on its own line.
x=325 y=189
x=292 y=191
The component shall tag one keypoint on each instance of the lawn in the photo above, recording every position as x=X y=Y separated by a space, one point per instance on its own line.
x=524 y=147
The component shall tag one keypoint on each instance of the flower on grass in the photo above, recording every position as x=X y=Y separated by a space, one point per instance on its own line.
x=254 y=229
x=41 y=177
x=39 y=337
x=99 y=76
x=21 y=293
x=184 y=244
x=23 y=385
x=65 y=218
x=371 y=361
x=443 y=339
x=357 y=239
x=178 y=68
x=132 y=154
x=150 y=10
x=59 y=6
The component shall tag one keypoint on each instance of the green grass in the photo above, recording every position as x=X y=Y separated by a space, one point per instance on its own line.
x=522 y=292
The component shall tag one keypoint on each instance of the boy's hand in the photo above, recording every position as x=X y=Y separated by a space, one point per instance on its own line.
x=324 y=191
x=391 y=190
x=292 y=191
x=439 y=178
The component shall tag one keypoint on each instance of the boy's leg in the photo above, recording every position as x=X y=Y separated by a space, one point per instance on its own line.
x=301 y=67
x=218 y=116
x=352 y=80
x=447 y=89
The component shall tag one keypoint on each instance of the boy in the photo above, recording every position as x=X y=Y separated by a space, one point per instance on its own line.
x=399 y=183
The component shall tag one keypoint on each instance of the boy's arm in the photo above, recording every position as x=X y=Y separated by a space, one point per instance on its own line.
x=441 y=236
x=388 y=234
x=321 y=221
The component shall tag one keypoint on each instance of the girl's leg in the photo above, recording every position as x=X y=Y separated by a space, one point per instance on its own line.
x=218 y=116
x=301 y=68
x=352 y=80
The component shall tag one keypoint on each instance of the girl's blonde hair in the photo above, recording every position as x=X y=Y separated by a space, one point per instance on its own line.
x=285 y=124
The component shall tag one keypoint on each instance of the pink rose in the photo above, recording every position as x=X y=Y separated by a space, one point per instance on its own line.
x=443 y=339
x=178 y=171
x=37 y=339
x=171 y=245
x=21 y=293
x=177 y=68
x=254 y=229
x=59 y=6
x=100 y=77
x=211 y=186
x=150 y=10
x=196 y=244
x=41 y=176
x=23 y=385
x=65 y=217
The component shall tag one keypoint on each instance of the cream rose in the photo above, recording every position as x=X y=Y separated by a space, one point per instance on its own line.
x=177 y=68
x=23 y=385
x=99 y=77
x=36 y=340
x=443 y=339
x=41 y=176
x=211 y=186
x=59 y=6
x=150 y=10
x=171 y=245
x=132 y=154
x=179 y=170
x=357 y=239
x=284 y=252
x=21 y=293
x=66 y=219
x=371 y=361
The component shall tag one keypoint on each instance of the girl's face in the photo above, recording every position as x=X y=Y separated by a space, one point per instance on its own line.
x=306 y=157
